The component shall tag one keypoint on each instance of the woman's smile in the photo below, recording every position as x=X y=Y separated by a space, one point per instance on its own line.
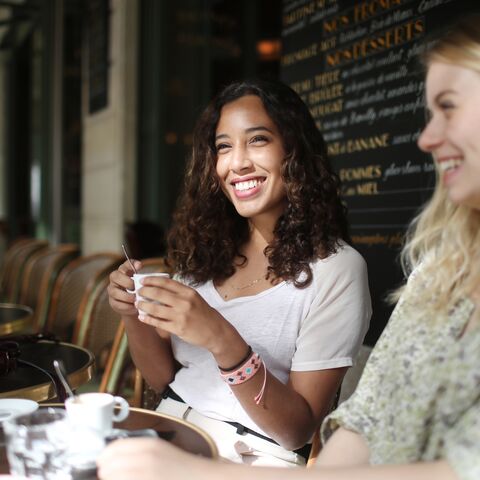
x=248 y=187
x=451 y=135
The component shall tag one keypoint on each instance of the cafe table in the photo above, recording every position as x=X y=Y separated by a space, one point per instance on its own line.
x=15 y=318
x=183 y=434
x=31 y=379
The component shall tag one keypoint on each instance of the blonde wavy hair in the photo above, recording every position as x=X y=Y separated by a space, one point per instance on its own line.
x=445 y=238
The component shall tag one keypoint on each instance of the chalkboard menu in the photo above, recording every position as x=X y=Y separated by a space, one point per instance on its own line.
x=97 y=16
x=355 y=65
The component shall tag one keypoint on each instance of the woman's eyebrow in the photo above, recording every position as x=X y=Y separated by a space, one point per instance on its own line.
x=260 y=127
x=439 y=95
x=247 y=130
x=220 y=136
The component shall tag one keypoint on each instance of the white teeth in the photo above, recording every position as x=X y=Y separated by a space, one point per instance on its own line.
x=246 y=185
x=450 y=164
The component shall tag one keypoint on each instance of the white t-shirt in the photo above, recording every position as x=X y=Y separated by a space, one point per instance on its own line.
x=318 y=327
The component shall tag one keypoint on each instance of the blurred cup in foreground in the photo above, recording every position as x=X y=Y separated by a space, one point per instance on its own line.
x=37 y=444
x=96 y=411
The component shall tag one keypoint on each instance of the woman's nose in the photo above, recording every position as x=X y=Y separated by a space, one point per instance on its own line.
x=431 y=136
x=240 y=160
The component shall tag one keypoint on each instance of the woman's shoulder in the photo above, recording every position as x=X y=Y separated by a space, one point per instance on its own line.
x=345 y=268
x=344 y=258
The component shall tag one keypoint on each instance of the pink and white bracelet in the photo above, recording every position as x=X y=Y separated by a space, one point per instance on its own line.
x=245 y=372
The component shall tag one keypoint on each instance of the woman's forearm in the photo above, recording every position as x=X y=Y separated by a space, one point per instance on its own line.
x=151 y=354
x=439 y=470
x=344 y=440
x=290 y=413
x=146 y=459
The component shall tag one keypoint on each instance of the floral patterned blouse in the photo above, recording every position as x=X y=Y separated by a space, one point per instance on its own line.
x=419 y=396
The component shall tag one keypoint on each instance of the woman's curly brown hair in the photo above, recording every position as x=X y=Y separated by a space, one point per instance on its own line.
x=207 y=234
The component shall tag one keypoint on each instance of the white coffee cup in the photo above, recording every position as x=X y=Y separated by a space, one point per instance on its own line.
x=137 y=278
x=96 y=411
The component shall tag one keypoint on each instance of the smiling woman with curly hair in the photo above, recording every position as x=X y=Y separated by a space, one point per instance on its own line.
x=269 y=304
x=208 y=233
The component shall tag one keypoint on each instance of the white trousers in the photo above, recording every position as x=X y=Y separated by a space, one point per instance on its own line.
x=245 y=448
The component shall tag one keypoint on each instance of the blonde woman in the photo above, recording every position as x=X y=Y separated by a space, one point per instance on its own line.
x=416 y=412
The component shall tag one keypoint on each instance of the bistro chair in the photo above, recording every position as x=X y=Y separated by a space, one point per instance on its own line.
x=144 y=396
x=120 y=376
x=96 y=322
x=16 y=261
x=9 y=255
x=316 y=447
x=41 y=271
x=118 y=359
x=74 y=280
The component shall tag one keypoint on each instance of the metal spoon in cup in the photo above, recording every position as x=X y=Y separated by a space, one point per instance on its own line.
x=60 y=369
x=128 y=258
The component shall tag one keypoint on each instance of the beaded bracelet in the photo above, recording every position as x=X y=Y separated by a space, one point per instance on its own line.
x=239 y=364
x=245 y=372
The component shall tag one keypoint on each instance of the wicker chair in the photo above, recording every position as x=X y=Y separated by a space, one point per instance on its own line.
x=7 y=260
x=144 y=396
x=70 y=288
x=14 y=267
x=122 y=378
x=41 y=272
x=96 y=322
x=117 y=360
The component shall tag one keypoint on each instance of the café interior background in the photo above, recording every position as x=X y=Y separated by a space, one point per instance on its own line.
x=98 y=99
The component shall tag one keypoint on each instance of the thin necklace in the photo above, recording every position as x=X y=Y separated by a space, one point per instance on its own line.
x=251 y=284
x=243 y=287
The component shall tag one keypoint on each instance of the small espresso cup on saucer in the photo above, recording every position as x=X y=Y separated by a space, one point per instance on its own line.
x=96 y=411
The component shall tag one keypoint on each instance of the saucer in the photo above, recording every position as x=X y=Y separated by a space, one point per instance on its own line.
x=12 y=407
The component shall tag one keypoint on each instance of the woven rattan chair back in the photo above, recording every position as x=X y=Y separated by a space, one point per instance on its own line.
x=18 y=258
x=41 y=272
x=70 y=287
x=7 y=260
x=98 y=322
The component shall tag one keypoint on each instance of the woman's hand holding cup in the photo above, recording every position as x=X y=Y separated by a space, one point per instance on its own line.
x=138 y=284
x=120 y=288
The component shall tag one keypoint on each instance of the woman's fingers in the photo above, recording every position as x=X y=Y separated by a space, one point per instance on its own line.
x=120 y=294
x=179 y=310
x=166 y=283
x=120 y=281
x=122 y=277
x=160 y=295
